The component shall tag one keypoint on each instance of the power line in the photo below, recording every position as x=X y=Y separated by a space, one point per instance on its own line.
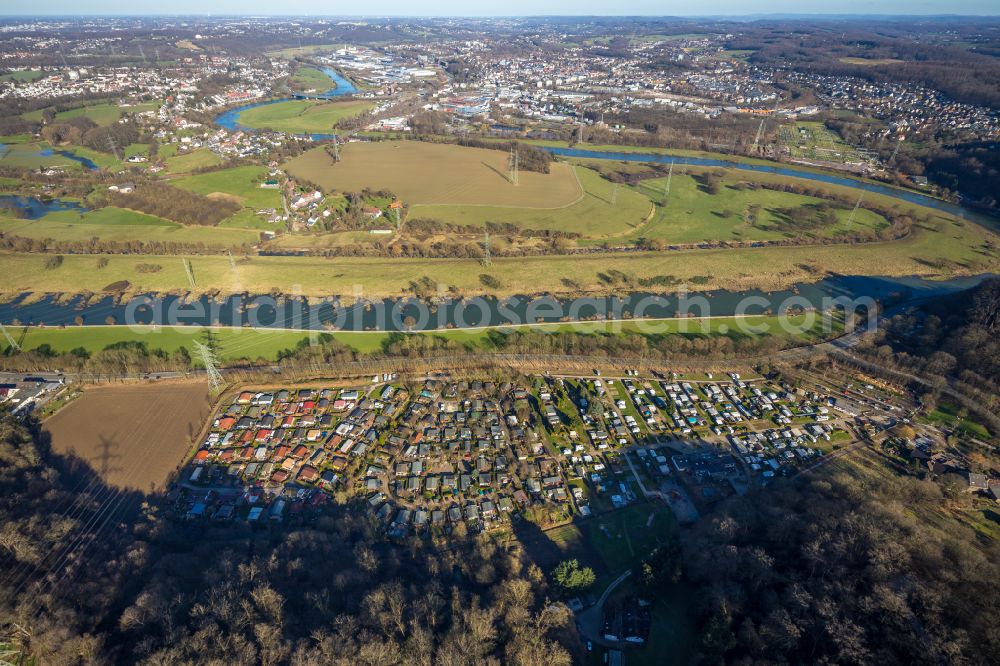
x=10 y=339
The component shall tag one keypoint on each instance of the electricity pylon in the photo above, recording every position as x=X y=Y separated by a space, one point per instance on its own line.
x=614 y=194
x=114 y=148
x=854 y=212
x=512 y=163
x=207 y=357
x=756 y=140
x=187 y=269
x=895 y=150
x=487 y=258
x=670 y=174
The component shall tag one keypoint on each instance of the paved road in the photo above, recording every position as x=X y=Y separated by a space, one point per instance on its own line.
x=591 y=621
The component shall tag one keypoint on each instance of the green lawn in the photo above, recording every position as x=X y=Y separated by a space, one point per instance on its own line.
x=310 y=78
x=248 y=218
x=254 y=343
x=30 y=156
x=106 y=114
x=623 y=537
x=947 y=415
x=122 y=225
x=241 y=183
x=691 y=215
x=103 y=114
x=23 y=75
x=108 y=216
x=196 y=159
x=946 y=247
x=301 y=116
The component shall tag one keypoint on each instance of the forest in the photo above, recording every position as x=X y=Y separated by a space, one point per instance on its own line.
x=845 y=567
x=956 y=338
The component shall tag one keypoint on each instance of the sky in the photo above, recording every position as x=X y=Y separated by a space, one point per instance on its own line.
x=499 y=7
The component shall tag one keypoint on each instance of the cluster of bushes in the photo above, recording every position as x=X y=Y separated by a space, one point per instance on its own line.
x=529 y=157
x=174 y=203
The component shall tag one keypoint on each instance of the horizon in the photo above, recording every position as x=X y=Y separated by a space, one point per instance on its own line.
x=516 y=9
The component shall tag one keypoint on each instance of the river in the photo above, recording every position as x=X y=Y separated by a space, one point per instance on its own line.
x=391 y=314
x=231 y=118
x=832 y=179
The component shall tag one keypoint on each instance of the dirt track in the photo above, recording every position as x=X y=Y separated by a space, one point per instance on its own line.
x=135 y=435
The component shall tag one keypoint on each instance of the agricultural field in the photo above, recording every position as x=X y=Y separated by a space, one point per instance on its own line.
x=302 y=116
x=439 y=174
x=133 y=436
x=604 y=211
x=461 y=185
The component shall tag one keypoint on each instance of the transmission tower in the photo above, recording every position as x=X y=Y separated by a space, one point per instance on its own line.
x=10 y=339
x=208 y=359
x=895 y=151
x=850 y=220
x=512 y=163
x=487 y=258
x=395 y=212
x=614 y=194
x=188 y=270
x=114 y=147
x=142 y=53
x=336 y=149
x=670 y=174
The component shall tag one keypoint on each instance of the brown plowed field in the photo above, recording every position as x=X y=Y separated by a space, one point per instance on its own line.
x=134 y=436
